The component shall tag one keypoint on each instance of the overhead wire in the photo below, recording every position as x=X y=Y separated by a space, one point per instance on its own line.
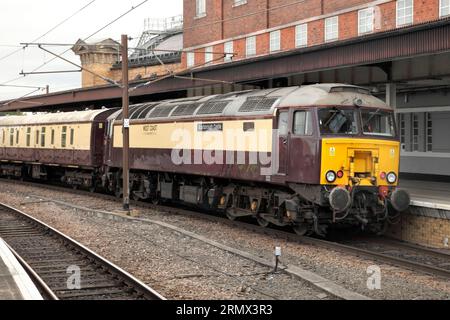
x=51 y=29
x=90 y=36
x=96 y=32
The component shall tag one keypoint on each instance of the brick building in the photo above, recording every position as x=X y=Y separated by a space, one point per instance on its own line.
x=250 y=28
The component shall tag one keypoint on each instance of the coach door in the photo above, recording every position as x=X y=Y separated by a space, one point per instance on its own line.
x=283 y=142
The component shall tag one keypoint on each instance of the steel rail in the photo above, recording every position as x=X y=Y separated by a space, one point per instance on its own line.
x=37 y=280
x=127 y=281
x=369 y=254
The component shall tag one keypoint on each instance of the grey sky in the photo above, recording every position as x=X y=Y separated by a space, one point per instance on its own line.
x=25 y=20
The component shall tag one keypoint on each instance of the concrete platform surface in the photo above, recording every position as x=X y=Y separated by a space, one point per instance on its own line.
x=428 y=194
x=15 y=284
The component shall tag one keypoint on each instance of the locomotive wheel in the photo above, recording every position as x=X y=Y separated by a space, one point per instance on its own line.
x=300 y=229
x=262 y=222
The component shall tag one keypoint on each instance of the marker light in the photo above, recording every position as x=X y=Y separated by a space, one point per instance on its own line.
x=392 y=178
x=340 y=174
x=383 y=175
x=331 y=176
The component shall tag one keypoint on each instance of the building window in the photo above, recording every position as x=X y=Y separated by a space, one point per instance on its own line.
x=402 y=130
x=429 y=132
x=444 y=8
x=301 y=35
x=28 y=137
x=209 y=56
x=200 y=6
x=415 y=132
x=239 y=2
x=64 y=137
x=43 y=137
x=229 y=51
x=190 y=59
x=365 y=21
x=275 y=41
x=332 y=28
x=250 y=46
x=404 y=12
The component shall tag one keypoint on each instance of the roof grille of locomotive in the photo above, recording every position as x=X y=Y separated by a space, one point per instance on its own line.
x=255 y=104
x=213 y=107
x=162 y=111
x=185 y=109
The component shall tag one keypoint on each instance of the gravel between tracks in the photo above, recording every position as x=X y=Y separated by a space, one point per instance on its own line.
x=175 y=265
x=174 y=268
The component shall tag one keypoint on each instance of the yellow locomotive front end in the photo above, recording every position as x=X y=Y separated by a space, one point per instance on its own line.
x=360 y=165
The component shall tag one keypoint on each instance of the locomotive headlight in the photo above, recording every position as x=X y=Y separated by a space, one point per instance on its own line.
x=331 y=176
x=392 y=178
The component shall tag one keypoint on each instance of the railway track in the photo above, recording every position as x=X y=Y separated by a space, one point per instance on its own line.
x=53 y=261
x=415 y=258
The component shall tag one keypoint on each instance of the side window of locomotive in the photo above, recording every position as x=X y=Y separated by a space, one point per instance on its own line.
x=64 y=137
x=303 y=123
x=283 y=127
x=249 y=126
x=28 y=137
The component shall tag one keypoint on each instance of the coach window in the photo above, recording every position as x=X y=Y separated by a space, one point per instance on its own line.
x=53 y=137
x=302 y=123
x=43 y=136
x=72 y=133
x=17 y=137
x=37 y=137
x=28 y=137
x=11 y=137
x=63 y=137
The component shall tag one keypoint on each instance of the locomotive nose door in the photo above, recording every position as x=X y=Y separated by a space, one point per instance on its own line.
x=283 y=142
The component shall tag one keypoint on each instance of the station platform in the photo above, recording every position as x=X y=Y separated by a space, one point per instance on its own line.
x=15 y=284
x=428 y=194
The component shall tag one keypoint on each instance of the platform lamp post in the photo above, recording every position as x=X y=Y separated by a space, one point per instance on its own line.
x=126 y=125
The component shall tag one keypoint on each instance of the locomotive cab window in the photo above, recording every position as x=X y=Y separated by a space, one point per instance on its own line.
x=303 y=123
x=377 y=122
x=338 y=121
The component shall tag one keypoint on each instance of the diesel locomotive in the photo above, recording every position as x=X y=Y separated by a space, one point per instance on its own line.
x=309 y=157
